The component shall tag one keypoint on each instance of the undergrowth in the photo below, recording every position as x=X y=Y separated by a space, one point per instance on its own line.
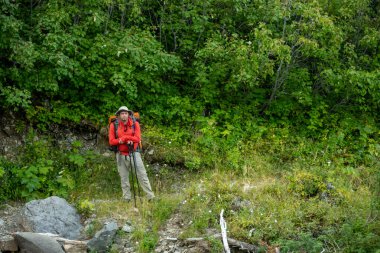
x=298 y=194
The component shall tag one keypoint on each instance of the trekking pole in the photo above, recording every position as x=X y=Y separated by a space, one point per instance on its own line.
x=134 y=163
x=132 y=179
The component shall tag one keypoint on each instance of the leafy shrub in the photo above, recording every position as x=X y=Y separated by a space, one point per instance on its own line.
x=85 y=207
x=168 y=145
x=41 y=170
x=306 y=184
x=8 y=181
x=34 y=180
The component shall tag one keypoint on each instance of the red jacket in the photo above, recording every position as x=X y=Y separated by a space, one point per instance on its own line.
x=125 y=133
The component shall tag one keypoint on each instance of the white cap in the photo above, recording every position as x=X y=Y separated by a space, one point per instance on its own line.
x=123 y=108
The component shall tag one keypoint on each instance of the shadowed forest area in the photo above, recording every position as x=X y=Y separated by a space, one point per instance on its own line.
x=266 y=109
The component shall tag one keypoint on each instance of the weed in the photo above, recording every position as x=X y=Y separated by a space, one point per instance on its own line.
x=148 y=242
x=85 y=208
x=92 y=228
x=163 y=209
x=304 y=242
x=216 y=245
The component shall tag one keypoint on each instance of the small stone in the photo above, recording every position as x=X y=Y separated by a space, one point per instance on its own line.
x=127 y=228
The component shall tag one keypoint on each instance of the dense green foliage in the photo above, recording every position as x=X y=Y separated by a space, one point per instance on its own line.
x=286 y=88
x=43 y=169
x=309 y=64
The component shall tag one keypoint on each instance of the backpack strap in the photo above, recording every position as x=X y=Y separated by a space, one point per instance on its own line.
x=133 y=126
x=115 y=122
x=132 y=116
x=116 y=125
x=139 y=146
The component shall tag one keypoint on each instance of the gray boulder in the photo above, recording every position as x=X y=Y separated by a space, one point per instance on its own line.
x=103 y=238
x=36 y=243
x=53 y=215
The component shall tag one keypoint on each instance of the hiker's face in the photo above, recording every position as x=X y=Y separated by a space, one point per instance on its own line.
x=124 y=116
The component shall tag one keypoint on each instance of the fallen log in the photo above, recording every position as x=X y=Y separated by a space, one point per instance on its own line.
x=243 y=246
x=70 y=246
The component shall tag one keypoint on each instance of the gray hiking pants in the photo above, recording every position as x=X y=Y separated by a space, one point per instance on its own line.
x=124 y=167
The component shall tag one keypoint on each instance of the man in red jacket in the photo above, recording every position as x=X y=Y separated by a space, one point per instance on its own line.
x=128 y=133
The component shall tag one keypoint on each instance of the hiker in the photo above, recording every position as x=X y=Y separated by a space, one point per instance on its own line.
x=128 y=133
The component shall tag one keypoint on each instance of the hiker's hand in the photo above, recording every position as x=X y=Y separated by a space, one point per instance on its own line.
x=121 y=141
x=130 y=142
x=124 y=139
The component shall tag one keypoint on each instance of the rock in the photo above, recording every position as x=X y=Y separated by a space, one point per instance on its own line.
x=103 y=238
x=107 y=154
x=53 y=215
x=7 y=130
x=36 y=243
x=127 y=228
x=238 y=204
x=8 y=243
x=156 y=167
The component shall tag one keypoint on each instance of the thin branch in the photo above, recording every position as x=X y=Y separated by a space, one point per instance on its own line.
x=110 y=10
x=281 y=74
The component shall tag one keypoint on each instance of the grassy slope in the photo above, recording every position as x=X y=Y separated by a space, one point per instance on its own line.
x=308 y=203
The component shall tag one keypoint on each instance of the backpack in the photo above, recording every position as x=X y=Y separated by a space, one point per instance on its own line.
x=135 y=116
x=113 y=120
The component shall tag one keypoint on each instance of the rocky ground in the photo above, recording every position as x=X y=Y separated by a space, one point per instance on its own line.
x=170 y=243
x=11 y=221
